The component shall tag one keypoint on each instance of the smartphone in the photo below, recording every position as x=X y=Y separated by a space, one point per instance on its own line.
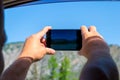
x=64 y=39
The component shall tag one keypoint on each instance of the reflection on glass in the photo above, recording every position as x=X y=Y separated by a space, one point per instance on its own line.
x=65 y=39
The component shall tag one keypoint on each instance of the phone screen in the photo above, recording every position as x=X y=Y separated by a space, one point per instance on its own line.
x=64 y=39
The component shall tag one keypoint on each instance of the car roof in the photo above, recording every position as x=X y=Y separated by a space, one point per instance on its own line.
x=14 y=3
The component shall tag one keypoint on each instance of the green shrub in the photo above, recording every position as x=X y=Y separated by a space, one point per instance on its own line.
x=65 y=69
x=53 y=66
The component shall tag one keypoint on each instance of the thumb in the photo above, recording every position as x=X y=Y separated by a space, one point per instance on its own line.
x=80 y=52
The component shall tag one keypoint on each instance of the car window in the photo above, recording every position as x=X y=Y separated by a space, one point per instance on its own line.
x=21 y=22
x=70 y=15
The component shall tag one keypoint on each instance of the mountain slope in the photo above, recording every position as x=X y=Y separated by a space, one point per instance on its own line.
x=12 y=50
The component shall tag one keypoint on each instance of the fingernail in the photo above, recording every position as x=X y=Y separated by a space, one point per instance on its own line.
x=49 y=27
x=83 y=26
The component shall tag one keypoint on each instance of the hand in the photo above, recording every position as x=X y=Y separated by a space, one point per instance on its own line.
x=92 y=41
x=34 y=46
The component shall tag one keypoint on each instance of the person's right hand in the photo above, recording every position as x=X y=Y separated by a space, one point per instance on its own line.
x=92 y=41
x=35 y=46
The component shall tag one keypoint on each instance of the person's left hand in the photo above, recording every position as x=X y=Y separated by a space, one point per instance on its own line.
x=35 y=46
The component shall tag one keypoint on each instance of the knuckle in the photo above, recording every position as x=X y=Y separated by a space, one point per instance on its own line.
x=32 y=36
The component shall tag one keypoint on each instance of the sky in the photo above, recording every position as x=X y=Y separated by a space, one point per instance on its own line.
x=21 y=22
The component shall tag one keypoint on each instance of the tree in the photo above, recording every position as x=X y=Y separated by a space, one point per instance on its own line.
x=53 y=66
x=65 y=69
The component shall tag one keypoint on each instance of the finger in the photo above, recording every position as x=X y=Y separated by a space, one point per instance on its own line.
x=44 y=41
x=80 y=52
x=43 y=32
x=92 y=28
x=50 y=51
x=84 y=29
x=101 y=36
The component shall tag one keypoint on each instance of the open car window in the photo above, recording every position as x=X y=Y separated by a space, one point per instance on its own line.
x=21 y=22
x=70 y=15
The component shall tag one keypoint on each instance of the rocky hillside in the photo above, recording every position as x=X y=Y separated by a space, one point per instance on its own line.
x=40 y=69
